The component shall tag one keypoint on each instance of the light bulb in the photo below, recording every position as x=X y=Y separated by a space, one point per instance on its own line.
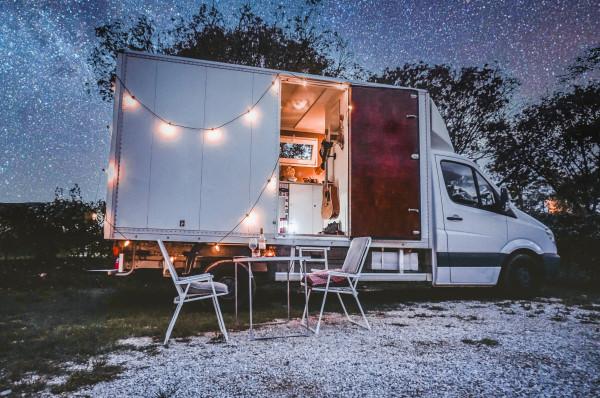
x=213 y=134
x=350 y=107
x=129 y=101
x=272 y=183
x=252 y=115
x=94 y=216
x=217 y=248
x=304 y=82
x=110 y=173
x=167 y=129
x=127 y=243
x=250 y=218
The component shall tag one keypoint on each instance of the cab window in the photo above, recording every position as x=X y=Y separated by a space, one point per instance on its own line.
x=460 y=183
x=487 y=196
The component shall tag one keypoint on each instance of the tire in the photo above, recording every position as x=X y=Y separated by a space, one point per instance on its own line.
x=522 y=275
x=224 y=273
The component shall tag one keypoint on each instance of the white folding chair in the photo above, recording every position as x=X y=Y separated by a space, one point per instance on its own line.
x=193 y=288
x=351 y=269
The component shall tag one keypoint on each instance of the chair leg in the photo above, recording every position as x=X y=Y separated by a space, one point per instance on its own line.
x=173 y=320
x=322 y=308
x=362 y=312
x=305 y=313
x=220 y=318
x=343 y=307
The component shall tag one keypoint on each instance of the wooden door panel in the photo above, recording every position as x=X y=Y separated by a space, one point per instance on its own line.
x=384 y=176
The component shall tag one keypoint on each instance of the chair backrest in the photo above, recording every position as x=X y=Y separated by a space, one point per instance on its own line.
x=170 y=266
x=356 y=256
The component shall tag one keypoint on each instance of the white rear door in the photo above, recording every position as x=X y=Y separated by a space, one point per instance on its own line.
x=475 y=228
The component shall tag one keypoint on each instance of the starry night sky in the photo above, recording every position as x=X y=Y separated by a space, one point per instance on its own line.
x=53 y=133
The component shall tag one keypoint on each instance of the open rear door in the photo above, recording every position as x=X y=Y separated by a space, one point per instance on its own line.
x=384 y=163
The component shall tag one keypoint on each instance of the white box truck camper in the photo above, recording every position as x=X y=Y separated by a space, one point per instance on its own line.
x=204 y=155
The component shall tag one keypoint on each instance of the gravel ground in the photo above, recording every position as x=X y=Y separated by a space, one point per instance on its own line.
x=451 y=348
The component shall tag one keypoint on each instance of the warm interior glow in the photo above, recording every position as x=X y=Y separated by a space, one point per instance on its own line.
x=213 y=134
x=129 y=101
x=300 y=104
x=167 y=129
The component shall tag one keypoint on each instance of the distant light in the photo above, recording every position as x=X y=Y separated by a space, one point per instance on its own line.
x=167 y=129
x=94 y=216
x=127 y=243
x=129 y=101
x=172 y=259
x=252 y=115
x=217 y=248
x=350 y=107
x=213 y=134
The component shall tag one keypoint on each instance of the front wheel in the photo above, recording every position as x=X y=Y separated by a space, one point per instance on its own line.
x=522 y=275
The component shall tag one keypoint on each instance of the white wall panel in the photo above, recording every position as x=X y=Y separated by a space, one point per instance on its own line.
x=226 y=161
x=135 y=140
x=176 y=158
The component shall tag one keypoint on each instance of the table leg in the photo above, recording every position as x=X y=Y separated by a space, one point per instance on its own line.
x=303 y=273
x=235 y=272
x=290 y=265
x=250 y=296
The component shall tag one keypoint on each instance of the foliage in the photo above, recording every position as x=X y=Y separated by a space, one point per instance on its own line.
x=554 y=150
x=584 y=64
x=473 y=101
x=68 y=225
x=286 y=42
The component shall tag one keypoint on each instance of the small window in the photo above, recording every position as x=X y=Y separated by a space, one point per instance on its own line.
x=487 y=195
x=460 y=183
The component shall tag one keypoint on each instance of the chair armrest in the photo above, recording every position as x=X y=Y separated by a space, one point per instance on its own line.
x=342 y=274
x=194 y=278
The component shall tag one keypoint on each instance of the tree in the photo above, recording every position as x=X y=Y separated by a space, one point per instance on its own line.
x=473 y=101
x=287 y=43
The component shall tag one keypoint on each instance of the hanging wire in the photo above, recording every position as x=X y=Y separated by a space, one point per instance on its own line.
x=156 y=115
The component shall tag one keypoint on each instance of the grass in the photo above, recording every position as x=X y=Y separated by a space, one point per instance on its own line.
x=100 y=371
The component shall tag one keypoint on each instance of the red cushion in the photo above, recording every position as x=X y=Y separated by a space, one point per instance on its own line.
x=319 y=279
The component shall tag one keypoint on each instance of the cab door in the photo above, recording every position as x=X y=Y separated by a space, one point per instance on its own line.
x=475 y=226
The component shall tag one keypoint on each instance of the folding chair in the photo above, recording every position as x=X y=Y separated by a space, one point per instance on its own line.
x=342 y=281
x=193 y=288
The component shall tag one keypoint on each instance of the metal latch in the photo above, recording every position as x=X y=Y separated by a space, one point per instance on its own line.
x=416 y=232
x=413 y=210
x=411 y=116
x=414 y=156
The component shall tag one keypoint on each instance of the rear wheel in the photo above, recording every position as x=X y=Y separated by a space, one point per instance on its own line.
x=522 y=275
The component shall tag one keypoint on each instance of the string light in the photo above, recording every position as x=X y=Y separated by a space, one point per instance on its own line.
x=213 y=134
x=127 y=243
x=167 y=129
x=110 y=172
x=217 y=248
x=252 y=115
x=350 y=107
x=94 y=216
x=129 y=101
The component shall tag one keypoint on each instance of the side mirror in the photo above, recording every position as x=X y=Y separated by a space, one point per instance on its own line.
x=504 y=198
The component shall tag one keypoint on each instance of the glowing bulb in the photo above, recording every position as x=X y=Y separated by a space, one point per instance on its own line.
x=213 y=134
x=252 y=115
x=129 y=101
x=94 y=216
x=167 y=129
x=299 y=104
x=275 y=86
x=110 y=173
x=217 y=248
x=350 y=107
x=250 y=218
x=272 y=183
x=127 y=243
x=172 y=259
x=304 y=82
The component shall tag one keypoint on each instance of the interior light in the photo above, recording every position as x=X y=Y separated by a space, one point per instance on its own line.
x=167 y=129
x=214 y=134
x=129 y=101
x=299 y=104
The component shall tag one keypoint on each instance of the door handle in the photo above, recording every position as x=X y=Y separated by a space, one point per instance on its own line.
x=454 y=217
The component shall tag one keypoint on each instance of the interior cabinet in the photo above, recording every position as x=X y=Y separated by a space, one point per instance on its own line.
x=305 y=208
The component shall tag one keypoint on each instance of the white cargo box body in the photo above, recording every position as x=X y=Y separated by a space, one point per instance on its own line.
x=179 y=184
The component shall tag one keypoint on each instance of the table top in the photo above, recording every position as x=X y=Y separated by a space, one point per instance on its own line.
x=264 y=258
